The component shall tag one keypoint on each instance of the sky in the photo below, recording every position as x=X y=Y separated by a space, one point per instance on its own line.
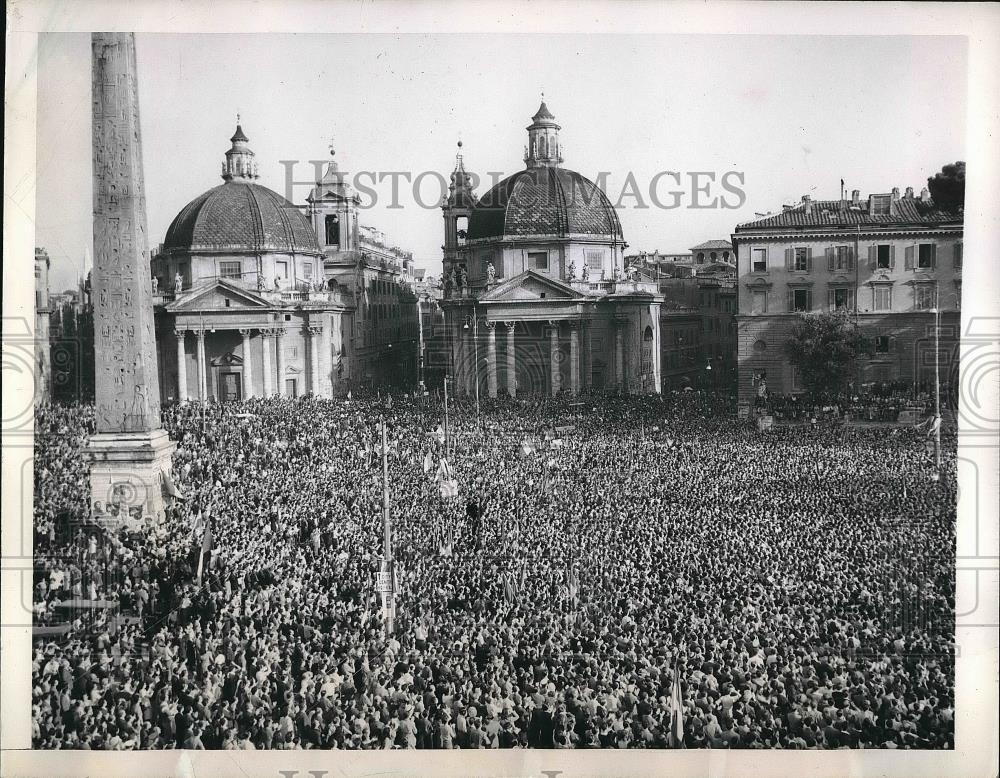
x=777 y=117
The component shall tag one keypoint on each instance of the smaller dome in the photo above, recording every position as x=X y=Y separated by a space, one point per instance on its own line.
x=544 y=201
x=243 y=217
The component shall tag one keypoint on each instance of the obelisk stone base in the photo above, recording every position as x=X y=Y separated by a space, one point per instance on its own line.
x=127 y=469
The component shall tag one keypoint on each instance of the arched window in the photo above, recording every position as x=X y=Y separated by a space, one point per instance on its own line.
x=701 y=257
x=647 y=336
x=712 y=256
x=541 y=146
x=332 y=229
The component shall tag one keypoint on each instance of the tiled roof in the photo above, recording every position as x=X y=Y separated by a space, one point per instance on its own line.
x=544 y=201
x=841 y=213
x=243 y=217
x=713 y=244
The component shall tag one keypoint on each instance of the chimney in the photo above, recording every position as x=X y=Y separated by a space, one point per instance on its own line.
x=895 y=193
x=909 y=193
x=807 y=201
x=925 y=195
x=855 y=196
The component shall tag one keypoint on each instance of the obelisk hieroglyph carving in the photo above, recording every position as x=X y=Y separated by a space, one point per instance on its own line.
x=130 y=449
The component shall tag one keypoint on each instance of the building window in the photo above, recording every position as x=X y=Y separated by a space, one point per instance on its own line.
x=801 y=300
x=958 y=256
x=712 y=256
x=759 y=301
x=882 y=298
x=842 y=258
x=882 y=344
x=923 y=297
x=759 y=260
x=840 y=299
x=229 y=270
x=538 y=260
x=881 y=204
x=701 y=257
x=595 y=260
x=281 y=269
x=884 y=257
x=801 y=259
x=307 y=269
x=926 y=255
x=958 y=294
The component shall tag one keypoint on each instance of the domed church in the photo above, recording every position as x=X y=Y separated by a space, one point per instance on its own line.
x=540 y=257
x=256 y=297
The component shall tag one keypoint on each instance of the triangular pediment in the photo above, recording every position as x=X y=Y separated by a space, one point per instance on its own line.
x=214 y=296
x=229 y=359
x=530 y=285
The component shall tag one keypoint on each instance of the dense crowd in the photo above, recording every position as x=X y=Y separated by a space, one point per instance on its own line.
x=800 y=582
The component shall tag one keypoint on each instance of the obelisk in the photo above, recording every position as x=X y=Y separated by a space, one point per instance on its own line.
x=130 y=450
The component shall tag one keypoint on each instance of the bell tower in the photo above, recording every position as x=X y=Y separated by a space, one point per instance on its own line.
x=457 y=210
x=544 y=149
x=333 y=210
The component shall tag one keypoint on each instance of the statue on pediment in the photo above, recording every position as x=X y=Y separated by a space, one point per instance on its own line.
x=178 y=282
x=491 y=273
x=571 y=271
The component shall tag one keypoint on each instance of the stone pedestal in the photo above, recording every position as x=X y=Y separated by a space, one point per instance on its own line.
x=127 y=468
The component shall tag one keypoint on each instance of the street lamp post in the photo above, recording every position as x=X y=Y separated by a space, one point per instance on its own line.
x=389 y=574
x=937 y=391
x=420 y=356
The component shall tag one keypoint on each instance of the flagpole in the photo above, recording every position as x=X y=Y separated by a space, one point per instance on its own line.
x=390 y=595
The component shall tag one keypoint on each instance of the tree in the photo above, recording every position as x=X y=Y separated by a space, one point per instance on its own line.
x=823 y=348
x=947 y=188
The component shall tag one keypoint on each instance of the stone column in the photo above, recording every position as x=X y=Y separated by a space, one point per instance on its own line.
x=472 y=368
x=266 y=336
x=574 y=357
x=491 y=358
x=248 y=390
x=458 y=355
x=511 y=360
x=182 y=376
x=619 y=353
x=279 y=359
x=554 y=357
x=586 y=380
x=314 y=335
x=326 y=363
x=202 y=367
x=129 y=450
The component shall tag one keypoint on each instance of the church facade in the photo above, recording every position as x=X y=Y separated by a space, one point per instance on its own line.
x=536 y=295
x=255 y=296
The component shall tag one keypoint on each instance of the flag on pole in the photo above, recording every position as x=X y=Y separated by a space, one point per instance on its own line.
x=676 y=711
x=934 y=427
x=170 y=487
x=449 y=485
x=206 y=548
x=428 y=462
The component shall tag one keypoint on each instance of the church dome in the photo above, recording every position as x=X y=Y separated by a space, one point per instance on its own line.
x=241 y=216
x=544 y=200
